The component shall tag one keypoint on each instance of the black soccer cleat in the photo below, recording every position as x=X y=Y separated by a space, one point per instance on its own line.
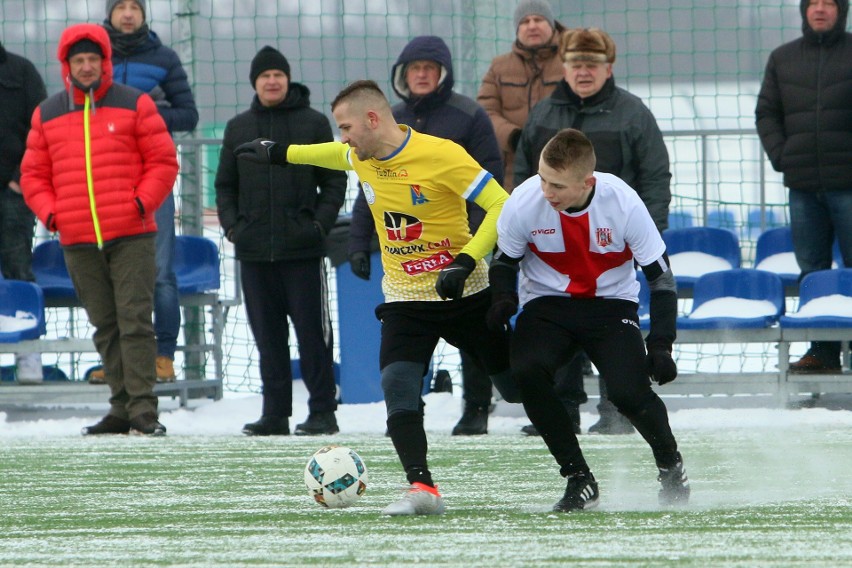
x=675 y=484
x=581 y=493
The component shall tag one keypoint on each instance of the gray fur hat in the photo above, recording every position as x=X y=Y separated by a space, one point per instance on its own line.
x=534 y=7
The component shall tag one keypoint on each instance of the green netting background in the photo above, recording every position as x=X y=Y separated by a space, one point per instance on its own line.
x=697 y=65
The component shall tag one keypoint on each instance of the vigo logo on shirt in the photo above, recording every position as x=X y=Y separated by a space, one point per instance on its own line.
x=435 y=262
x=402 y=227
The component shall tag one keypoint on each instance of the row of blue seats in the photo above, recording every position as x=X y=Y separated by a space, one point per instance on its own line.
x=196 y=267
x=755 y=221
x=720 y=249
x=754 y=299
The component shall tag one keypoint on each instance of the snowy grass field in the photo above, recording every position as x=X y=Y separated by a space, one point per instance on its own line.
x=769 y=488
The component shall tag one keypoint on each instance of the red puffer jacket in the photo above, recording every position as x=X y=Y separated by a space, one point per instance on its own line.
x=96 y=168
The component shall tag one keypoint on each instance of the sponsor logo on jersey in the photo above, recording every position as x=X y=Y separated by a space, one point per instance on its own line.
x=369 y=192
x=603 y=236
x=435 y=262
x=417 y=197
x=384 y=173
x=550 y=231
x=418 y=248
x=402 y=227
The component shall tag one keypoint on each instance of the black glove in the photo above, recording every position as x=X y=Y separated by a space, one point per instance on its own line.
x=450 y=284
x=263 y=151
x=503 y=306
x=659 y=363
x=359 y=262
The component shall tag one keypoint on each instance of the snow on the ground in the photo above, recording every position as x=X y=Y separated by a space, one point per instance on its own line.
x=227 y=416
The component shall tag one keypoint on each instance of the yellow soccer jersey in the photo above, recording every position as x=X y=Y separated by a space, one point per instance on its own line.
x=417 y=199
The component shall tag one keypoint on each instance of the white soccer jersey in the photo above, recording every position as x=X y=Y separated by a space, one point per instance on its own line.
x=587 y=254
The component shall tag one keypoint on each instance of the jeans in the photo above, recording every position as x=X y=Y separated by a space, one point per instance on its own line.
x=816 y=219
x=166 y=299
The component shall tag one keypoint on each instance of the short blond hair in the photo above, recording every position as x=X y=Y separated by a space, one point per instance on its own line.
x=587 y=44
x=570 y=149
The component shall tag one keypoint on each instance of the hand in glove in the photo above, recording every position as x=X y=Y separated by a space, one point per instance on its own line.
x=450 y=284
x=359 y=262
x=263 y=151
x=503 y=306
x=659 y=364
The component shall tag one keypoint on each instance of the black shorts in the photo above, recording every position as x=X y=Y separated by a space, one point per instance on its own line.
x=411 y=330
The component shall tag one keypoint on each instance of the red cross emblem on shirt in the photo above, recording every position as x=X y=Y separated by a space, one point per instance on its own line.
x=582 y=265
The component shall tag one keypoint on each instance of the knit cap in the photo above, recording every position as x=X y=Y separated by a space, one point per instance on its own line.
x=268 y=58
x=111 y=4
x=534 y=8
x=587 y=44
x=84 y=46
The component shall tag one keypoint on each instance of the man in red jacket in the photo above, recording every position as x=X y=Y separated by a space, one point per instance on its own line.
x=99 y=161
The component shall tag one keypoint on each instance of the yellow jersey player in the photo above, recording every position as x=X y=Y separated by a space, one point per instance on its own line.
x=416 y=186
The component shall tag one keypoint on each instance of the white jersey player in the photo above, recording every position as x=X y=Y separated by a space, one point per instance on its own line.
x=574 y=234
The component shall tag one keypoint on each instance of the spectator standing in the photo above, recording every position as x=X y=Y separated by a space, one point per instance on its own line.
x=423 y=79
x=574 y=234
x=804 y=119
x=628 y=143
x=435 y=276
x=278 y=220
x=99 y=162
x=517 y=80
x=141 y=60
x=21 y=90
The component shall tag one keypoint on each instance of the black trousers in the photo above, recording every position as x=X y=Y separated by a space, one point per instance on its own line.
x=548 y=333
x=298 y=290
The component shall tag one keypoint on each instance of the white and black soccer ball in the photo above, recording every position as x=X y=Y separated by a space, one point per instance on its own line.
x=336 y=476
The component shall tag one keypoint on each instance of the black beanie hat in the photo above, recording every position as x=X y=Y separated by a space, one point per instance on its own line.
x=84 y=46
x=268 y=58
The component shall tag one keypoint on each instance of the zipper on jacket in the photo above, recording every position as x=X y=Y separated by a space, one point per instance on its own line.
x=90 y=186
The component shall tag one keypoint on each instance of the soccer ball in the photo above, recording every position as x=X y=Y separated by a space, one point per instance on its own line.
x=336 y=477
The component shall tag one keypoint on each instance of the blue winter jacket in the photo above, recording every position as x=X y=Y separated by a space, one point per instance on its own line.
x=442 y=113
x=156 y=69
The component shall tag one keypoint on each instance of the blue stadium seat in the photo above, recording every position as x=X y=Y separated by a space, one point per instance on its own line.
x=24 y=302
x=196 y=264
x=694 y=251
x=680 y=219
x=762 y=220
x=755 y=286
x=820 y=285
x=50 y=271
x=721 y=219
x=774 y=253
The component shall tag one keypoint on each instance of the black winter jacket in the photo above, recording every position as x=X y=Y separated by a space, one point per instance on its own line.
x=627 y=140
x=21 y=91
x=274 y=213
x=804 y=109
